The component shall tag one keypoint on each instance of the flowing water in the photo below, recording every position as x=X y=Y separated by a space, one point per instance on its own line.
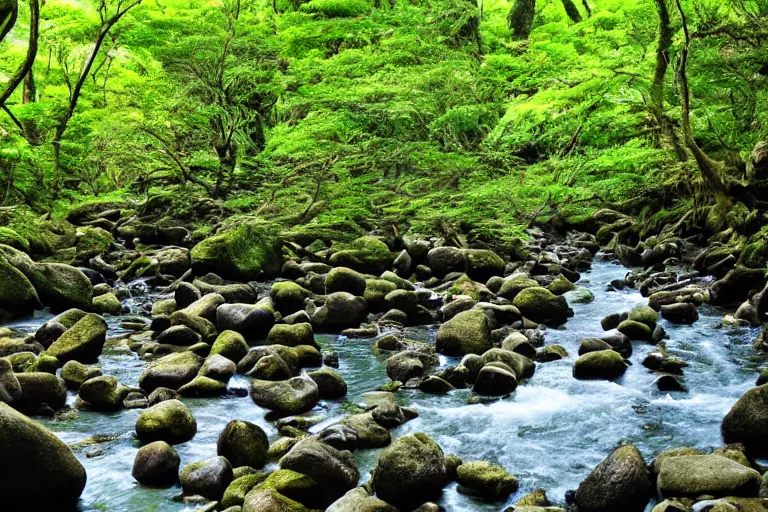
x=550 y=433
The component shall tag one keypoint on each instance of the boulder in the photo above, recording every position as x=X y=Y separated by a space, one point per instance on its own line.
x=61 y=286
x=342 y=279
x=635 y=330
x=410 y=471
x=82 y=342
x=17 y=295
x=488 y=480
x=38 y=388
x=483 y=264
x=185 y=294
x=107 y=304
x=156 y=465
x=444 y=260
x=179 y=335
x=102 y=394
x=75 y=373
x=231 y=345
x=368 y=432
x=680 y=313
x=269 y=500
x=495 y=379
x=246 y=252
x=203 y=387
x=330 y=383
x=367 y=254
x=747 y=422
x=243 y=444
x=292 y=335
x=334 y=471
x=542 y=306
x=208 y=478
x=341 y=310
x=712 y=475
x=288 y=297
x=253 y=321
x=645 y=315
x=358 y=500
x=467 y=333
x=169 y=421
x=171 y=371
x=39 y=470
x=620 y=482
x=10 y=388
x=235 y=494
x=292 y=396
x=375 y=291
x=603 y=364
x=218 y=367
x=511 y=286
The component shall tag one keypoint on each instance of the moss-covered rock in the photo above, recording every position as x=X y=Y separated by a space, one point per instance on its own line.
x=358 y=500
x=244 y=253
x=203 y=387
x=601 y=364
x=483 y=264
x=288 y=297
x=292 y=335
x=75 y=373
x=170 y=421
x=157 y=465
x=253 y=321
x=410 y=471
x=560 y=285
x=367 y=254
x=218 y=367
x=514 y=285
x=38 y=469
x=13 y=239
x=171 y=371
x=712 y=475
x=39 y=388
x=466 y=333
x=542 y=306
x=369 y=433
x=91 y=242
x=293 y=485
x=269 y=500
x=495 y=379
x=747 y=421
x=334 y=471
x=486 y=479
x=243 y=444
x=10 y=388
x=231 y=345
x=330 y=383
x=341 y=310
x=293 y=396
x=645 y=315
x=235 y=494
x=342 y=279
x=375 y=291
x=102 y=394
x=82 y=342
x=107 y=303
x=17 y=295
x=635 y=330
x=620 y=482
x=61 y=286
x=208 y=478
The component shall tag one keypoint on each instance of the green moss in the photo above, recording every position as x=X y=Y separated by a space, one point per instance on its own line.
x=375 y=291
x=337 y=8
x=107 y=304
x=487 y=479
x=92 y=242
x=235 y=493
x=241 y=253
x=466 y=286
x=17 y=295
x=542 y=306
x=61 y=286
x=231 y=345
x=366 y=254
x=12 y=238
x=83 y=342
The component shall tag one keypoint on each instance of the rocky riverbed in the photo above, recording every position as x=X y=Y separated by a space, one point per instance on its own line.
x=249 y=372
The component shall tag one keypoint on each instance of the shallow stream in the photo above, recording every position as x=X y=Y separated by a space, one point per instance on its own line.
x=550 y=433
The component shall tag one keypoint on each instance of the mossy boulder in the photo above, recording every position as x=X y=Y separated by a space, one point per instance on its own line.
x=358 y=500
x=466 y=333
x=208 y=478
x=76 y=373
x=495 y=379
x=82 y=342
x=244 y=253
x=38 y=388
x=367 y=254
x=483 y=264
x=203 y=387
x=369 y=433
x=514 y=285
x=375 y=291
x=330 y=383
x=17 y=295
x=601 y=364
x=253 y=321
x=747 y=422
x=10 y=388
x=231 y=345
x=712 y=475
x=292 y=396
x=243 y=444
x=91 y=242
x=12 y=238
x=487 y=480
x=294 y=485
x=410 y=471
x=235 y=494
x=542 y=306
x=106 y=304
x=342 y=279
x=560 y=285
x=61 y=286
x=269 y=500
x=170 y=421
x=620 y=482
x=341 y=310
x=635 y=330
x=645 y=315
x=156 y=464
x=292 y=335
x=444 y=260
x=334 y=471
x=288 y=297
x=171 y=371
x=103 y=393
x=38 y=469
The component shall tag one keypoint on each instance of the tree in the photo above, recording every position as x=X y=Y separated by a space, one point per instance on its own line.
x=9 y=12
x=520 y=19
x=29 y=60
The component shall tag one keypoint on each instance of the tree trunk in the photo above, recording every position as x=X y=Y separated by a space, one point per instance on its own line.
x=587 y=8
x=9 y=13
x=29 y=60
x=572 y=11
x=707 y=166
x=520 y=19
x=30 y=88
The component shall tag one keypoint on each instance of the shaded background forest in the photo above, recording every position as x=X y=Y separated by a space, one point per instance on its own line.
x=334 y=117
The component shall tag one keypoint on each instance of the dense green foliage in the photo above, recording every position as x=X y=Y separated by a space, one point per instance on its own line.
x=346 y=113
